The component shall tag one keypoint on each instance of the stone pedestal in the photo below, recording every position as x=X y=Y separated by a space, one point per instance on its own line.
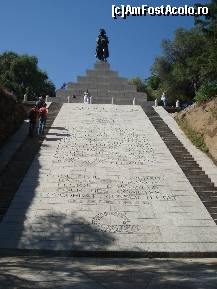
x=103 y=84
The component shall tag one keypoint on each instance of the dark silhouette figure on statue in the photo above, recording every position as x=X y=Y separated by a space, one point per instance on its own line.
x=102 y=51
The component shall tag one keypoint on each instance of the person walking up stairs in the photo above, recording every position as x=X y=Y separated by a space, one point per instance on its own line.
x=43 y=112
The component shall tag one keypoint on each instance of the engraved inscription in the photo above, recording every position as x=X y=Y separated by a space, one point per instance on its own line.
x=133 y=189
x=114 y=222
x=106 y=169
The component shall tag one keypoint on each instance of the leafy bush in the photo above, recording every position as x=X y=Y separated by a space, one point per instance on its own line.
x=207 y=91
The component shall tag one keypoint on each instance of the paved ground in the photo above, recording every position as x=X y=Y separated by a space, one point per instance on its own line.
x=37 y=273
x=104 y=180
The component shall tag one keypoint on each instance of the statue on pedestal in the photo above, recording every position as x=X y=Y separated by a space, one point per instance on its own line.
x=102 y=51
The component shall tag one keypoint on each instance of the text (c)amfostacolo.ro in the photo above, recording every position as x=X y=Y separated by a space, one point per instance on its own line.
x=124 y=11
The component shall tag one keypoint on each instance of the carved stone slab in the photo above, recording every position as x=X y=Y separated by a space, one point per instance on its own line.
x=104 y=180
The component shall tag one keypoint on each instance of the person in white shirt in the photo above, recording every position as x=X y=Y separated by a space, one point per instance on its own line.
x=164 y=99
x=87 y=97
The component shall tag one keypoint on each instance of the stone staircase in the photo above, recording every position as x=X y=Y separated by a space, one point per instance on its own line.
x=207 y=192
x=103 y=84
x=201 y=183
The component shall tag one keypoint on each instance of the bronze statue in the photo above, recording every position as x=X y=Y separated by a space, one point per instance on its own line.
x=102 y=52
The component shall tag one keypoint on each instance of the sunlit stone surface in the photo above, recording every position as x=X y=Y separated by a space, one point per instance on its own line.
x=104 y=180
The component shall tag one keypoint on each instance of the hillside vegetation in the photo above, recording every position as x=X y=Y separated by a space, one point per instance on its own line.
x=199 y=122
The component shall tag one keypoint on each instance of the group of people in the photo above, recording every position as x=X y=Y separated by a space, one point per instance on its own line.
x=38 y=114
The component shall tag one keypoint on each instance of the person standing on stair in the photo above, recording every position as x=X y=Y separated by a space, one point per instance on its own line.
x=33 y=115
x=164 y=99
x=43 y=112
x=87 y=97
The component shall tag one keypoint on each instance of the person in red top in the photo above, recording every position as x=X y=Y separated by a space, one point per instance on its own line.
x=33 y=115
x=43 y=112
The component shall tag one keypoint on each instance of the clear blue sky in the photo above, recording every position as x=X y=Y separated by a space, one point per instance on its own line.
x=62 y=34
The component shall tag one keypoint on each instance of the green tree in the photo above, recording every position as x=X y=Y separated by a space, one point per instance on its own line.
x=153 y=82
x=208 y=26
x=140 y=85
x=208 y=23
x=20 y=74
x=143 y=86
x=180 y=67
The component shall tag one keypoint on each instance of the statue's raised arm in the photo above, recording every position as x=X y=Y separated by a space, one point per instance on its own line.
x=102 y=51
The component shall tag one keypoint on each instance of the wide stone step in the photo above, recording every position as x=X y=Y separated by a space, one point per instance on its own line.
x=109 y=87
x=103 y=79
x=106 y=73
x=118 y=98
